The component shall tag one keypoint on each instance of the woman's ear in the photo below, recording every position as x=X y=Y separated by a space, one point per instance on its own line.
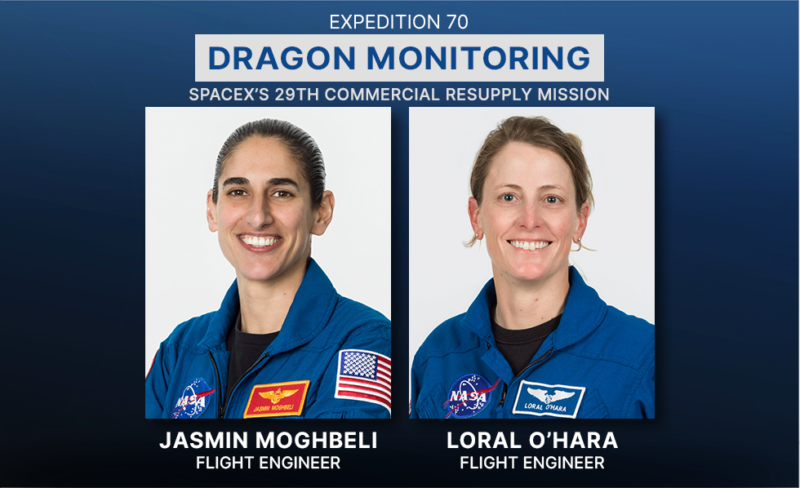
x=211 y=211
x=475 y=218
x=324 y=214
x=583 y=217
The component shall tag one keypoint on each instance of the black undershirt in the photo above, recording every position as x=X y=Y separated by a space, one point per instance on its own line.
x=520 y=346
x=245 y=350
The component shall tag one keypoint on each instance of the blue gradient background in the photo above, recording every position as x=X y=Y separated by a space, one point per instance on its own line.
x=723 y=77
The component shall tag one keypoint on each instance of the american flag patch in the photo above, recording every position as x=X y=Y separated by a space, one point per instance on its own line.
x=364 y=376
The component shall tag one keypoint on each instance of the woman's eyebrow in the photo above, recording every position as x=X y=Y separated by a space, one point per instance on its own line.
x=283 y=181
x=239 y=180
x=550 y=187
x=236 y=180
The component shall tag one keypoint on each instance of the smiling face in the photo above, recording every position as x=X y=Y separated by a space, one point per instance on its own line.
x=529 y=214
x=264 y=213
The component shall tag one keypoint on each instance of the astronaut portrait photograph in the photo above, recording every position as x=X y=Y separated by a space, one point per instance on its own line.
x=284 y=343
x=549 y=336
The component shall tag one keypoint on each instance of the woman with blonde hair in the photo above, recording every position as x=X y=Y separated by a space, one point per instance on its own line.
x=537 y=342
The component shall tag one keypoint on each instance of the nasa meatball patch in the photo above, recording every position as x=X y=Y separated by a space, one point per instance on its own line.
x=193 y=401
x=544 y=400
x=468 y=396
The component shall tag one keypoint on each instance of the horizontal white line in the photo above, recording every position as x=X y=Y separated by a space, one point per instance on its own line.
x=379 y=386
x=387 y=396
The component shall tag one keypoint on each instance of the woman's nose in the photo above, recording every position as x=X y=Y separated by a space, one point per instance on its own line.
x=530 y=217
x=259 y=214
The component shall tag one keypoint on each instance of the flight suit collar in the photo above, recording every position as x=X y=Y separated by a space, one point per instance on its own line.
x=310 y=311
x=583 y=313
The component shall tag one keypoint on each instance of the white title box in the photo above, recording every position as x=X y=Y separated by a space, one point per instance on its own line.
x=399 y=58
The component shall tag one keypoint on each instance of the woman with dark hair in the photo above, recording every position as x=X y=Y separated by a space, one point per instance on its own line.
x=283 y=343
x=537 y=342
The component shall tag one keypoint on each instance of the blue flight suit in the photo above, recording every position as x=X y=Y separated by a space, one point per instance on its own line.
x=598 y=363
x=188 y=378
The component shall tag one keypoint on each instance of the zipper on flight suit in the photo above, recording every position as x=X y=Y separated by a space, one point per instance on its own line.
x=224 y=406
x=505 y=387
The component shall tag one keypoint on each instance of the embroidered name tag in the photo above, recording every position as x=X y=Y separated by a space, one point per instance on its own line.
x=545 y=400
x=277 y=400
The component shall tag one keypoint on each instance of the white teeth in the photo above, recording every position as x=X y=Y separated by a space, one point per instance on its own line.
x=259 y=241
x=529 y=245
